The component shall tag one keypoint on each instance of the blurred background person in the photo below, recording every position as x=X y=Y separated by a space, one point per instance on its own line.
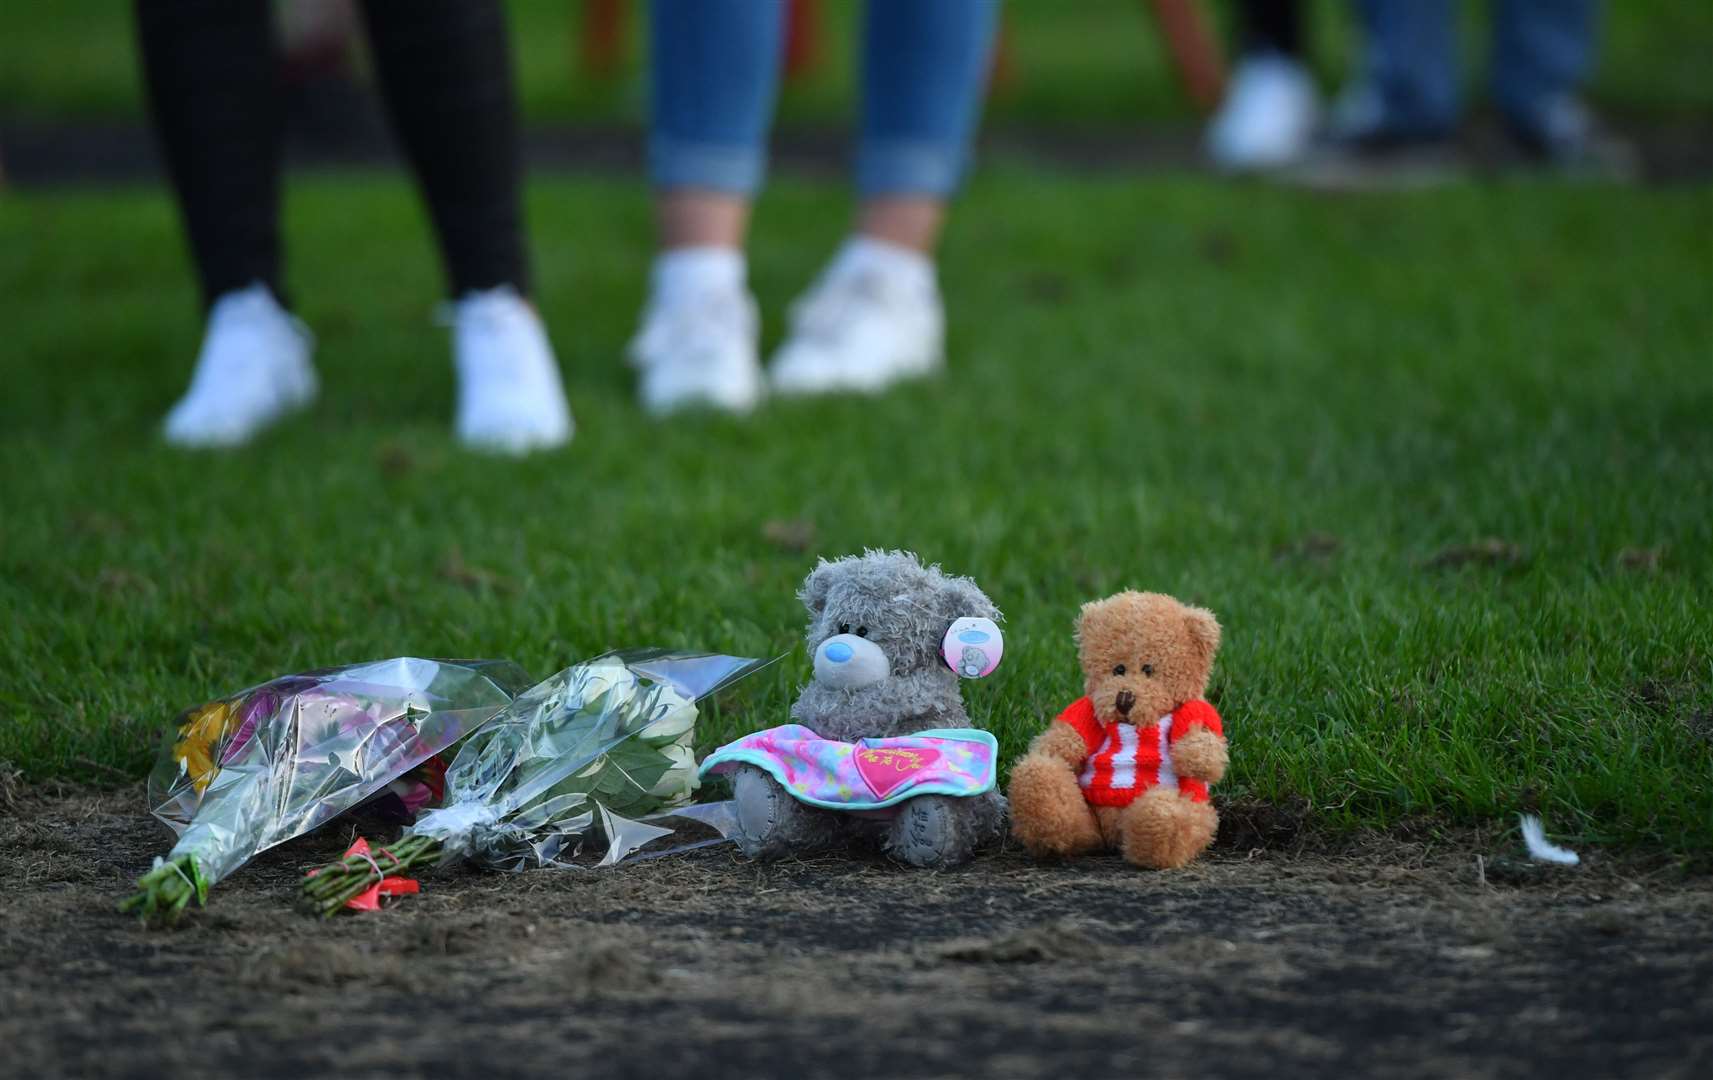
x=327 y=105
x=873 y=316
x=1271 y=110
x=214 y=89
x=1406 y=94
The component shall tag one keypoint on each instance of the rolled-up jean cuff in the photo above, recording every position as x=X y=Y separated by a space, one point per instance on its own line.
x=897 y=167
x=673 y=163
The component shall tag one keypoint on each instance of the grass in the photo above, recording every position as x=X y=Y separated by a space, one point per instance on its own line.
x=1096 y=62
x=1308 y=414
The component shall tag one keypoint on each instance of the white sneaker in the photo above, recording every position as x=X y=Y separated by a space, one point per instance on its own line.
x=1268 y=118
x=699 y=350
x=860 y=330
x=510 y=398
x=254 y=368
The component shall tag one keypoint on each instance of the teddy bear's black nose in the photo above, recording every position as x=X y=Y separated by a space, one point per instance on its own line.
x=1126 y=700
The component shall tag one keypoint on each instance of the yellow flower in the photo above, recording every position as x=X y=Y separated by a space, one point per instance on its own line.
x=197 y=738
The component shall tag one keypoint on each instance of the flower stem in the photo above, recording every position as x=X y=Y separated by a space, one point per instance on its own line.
x=328 y=889
x=166 y=890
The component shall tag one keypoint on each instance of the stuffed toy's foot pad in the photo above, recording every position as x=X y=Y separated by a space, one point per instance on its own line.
x=766 y=815
x=928 y=833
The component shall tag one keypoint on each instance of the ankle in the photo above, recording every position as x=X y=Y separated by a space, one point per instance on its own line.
x=905 y=221
x=697 y=217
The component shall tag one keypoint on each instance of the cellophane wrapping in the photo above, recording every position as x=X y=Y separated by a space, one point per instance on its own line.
x=597 y=758
x=243 y=773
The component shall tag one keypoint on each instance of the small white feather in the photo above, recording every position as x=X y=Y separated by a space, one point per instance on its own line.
x=1540 y=848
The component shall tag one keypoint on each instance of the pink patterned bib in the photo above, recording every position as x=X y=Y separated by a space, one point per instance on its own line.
x=870 y=774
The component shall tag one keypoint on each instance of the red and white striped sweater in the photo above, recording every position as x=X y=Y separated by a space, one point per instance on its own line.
x=1127 y=759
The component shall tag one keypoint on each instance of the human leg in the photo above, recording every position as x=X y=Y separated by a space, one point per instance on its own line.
x=445 y=71
x=213 y=93
x=1407 y=89
x=874 y=315
x=1543 y=51
x=212 y=89
x=714 y=79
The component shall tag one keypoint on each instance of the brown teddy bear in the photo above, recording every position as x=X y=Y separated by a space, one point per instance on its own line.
x=1128 y=766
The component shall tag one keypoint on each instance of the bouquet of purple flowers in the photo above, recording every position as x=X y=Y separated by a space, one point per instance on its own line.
x=245 y=772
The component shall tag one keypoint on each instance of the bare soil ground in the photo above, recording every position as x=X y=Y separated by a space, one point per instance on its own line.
x=1277 y=955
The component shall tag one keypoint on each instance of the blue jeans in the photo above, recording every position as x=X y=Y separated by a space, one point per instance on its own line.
x=1542 y=50
x=716 y=76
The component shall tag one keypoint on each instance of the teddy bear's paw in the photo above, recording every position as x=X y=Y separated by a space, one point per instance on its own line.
x=1201 y=755
x=1163 y=830
x=929 y=832
x=768 y=820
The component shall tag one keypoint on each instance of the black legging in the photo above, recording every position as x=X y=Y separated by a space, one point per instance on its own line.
x=1271 y=26
x=445 y=73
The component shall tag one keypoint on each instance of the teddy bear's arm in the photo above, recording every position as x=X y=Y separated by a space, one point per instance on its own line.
x=1200 y=755
x=1062 y=743
x=1198 y=742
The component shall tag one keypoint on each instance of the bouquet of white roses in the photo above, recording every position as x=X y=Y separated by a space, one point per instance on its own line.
x=572 y=764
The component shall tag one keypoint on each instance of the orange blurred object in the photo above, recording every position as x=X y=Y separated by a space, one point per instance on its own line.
x=1195 y=51
x=603 y=37
x=802 y=38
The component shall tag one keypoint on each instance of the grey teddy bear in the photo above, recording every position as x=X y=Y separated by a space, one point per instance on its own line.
x=876 y=622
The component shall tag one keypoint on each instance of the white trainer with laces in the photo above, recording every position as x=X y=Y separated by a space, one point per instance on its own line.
x=863 y=326
x=1268 y=118
x=510 y=397
x=254 y=368
x=698 y=349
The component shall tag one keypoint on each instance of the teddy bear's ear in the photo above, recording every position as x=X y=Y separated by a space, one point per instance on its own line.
x=960 y=597
x=816 y=587
x=1203 y=632
x=1090 y=613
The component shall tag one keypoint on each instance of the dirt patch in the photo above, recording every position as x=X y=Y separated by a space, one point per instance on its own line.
x=1645 y=559
x=1387 y=957
x=1317 y=547
x=1491 y=551
x=793 y=535
x=1061 y=940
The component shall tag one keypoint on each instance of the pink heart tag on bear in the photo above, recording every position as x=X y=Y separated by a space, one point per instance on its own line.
x=886 y=768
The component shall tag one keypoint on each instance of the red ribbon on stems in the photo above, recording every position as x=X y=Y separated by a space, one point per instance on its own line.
x=389 y=885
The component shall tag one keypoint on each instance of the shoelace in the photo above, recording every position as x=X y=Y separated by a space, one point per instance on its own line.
x=497 y=312
x=827 y=311
x=242 y=313
x=679 y=329
x=248 y=306
x=497 y=307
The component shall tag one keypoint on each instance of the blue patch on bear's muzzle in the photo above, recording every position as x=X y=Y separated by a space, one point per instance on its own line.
x=838 y=652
